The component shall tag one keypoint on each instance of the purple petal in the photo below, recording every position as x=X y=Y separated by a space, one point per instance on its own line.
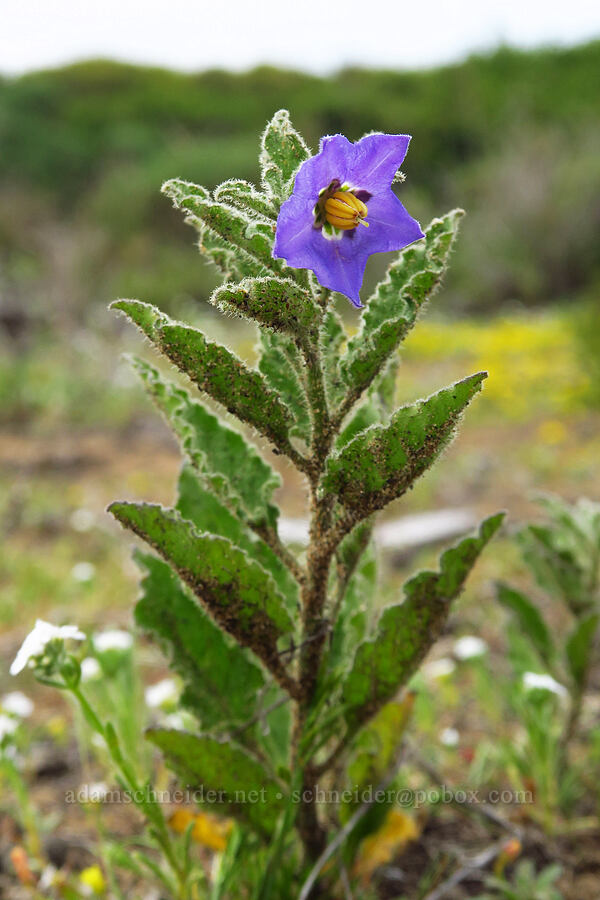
x=334 y=160
x=376 y=159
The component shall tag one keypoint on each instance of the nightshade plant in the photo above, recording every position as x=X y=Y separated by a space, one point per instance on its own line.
x=287 y=663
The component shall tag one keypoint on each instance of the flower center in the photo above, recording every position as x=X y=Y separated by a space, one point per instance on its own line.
x=339 y=209
x=344 y=210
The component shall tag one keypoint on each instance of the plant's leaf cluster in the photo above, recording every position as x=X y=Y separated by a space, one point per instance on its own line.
x=229 y=602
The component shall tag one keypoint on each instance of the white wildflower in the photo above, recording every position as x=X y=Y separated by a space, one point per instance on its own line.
x=90 y=668
x=83 y=571
x=449 y=737
x=113 y=639
x=162 y=692
x=35 y=642
x=469 y=646
x=544 y=682
x=17 y=703
x=8 y=725
x=439 y=668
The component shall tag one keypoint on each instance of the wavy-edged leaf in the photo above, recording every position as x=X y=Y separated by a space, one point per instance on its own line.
x=407 y=630
x=579 y=648
x=531 y=621
x=221 y=681
x=411 y=278
x=332 y=338
x=356 y=587
x=281 y=365
x=250 y=236
x=224 y=377
x=381 y=463
x=228 y=464
x=224 y=774
x=144 y=315
x=237 y=592
x=282 y=151
x=392 y=310
x=276 y=303
x=243 y=195
x=200 y=506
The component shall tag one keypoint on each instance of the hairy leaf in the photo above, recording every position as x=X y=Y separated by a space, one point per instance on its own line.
x=236 y=591
x=221 y=681
x=281 y=365
x=381 y=463
x=282 y=151
x=251 y=236
x=531 y=622
x=225 y=378
x=244 y=196
x=277 y=303
x=579 y=648
x=392 y=310
x=332 y=339
x=144 y=315
x=230 y=466
x=201 y=507
x=406 y=631
x=235 y=779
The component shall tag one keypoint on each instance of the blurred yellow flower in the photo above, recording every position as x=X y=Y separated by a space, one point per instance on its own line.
x=379 y=848
x=551 y=432
x=93 y=878
x=207 y=830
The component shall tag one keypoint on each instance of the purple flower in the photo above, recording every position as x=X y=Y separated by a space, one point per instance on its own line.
x=343 y=209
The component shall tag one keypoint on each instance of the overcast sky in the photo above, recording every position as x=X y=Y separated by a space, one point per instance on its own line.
x=314 y=35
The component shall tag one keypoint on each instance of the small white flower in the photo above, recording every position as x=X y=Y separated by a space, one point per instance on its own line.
x=175 y=720
x=439 y=668
x=17 y=703
x=47 y=878
x=94 y=792
x=544 y=682
x=113 y=639
x=35 y=642
x=82 y=520
x=90 y=668
x=162 y=692
x=83 y=571
x=8 y=725
x=449 y=737
x=469 y=646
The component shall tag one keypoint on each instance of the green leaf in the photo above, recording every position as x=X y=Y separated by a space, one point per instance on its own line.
x=530 y=620
x=356 y=586
x=236 y=590
x=228 y=464
x=200 y=506
x=411 y=279
x=237 y=781
x=407 y=630
x=282 y=152
x=580 y=647
x=392 y=310
x=225 y=378
x=252 y=237
x=332 y=338
x=246 y=197
x=377 y=746
x=382 y=462
x=221 y=681
x=277 y=303
x=144 y=315
x=365 y=360
x=281 y=365
x=555 y=565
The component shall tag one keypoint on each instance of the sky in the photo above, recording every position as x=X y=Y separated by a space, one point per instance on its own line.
x=312 y=35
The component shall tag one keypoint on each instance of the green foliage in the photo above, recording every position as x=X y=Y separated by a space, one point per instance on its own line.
x=228 y=775
x=525 y=884
x=262 y=637
x=237 y=592
x=382 y=462
x=220 y=680
x=406 y=631
x=229 y=466
x=392 y=310
x=273 y=302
